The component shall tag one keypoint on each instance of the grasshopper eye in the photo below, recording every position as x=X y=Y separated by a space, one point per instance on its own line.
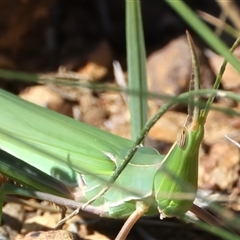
x=182 y=137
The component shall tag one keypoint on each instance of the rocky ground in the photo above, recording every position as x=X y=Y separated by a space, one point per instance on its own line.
x=85 y=37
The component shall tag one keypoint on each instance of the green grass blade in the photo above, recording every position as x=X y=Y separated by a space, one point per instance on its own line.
x=218 y=79
x=136 y=62
x=204 y=31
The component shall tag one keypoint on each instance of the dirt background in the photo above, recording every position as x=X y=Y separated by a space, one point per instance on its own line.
x=86 y=37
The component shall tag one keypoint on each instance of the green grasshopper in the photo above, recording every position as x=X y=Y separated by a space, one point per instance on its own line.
x=89 y=151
